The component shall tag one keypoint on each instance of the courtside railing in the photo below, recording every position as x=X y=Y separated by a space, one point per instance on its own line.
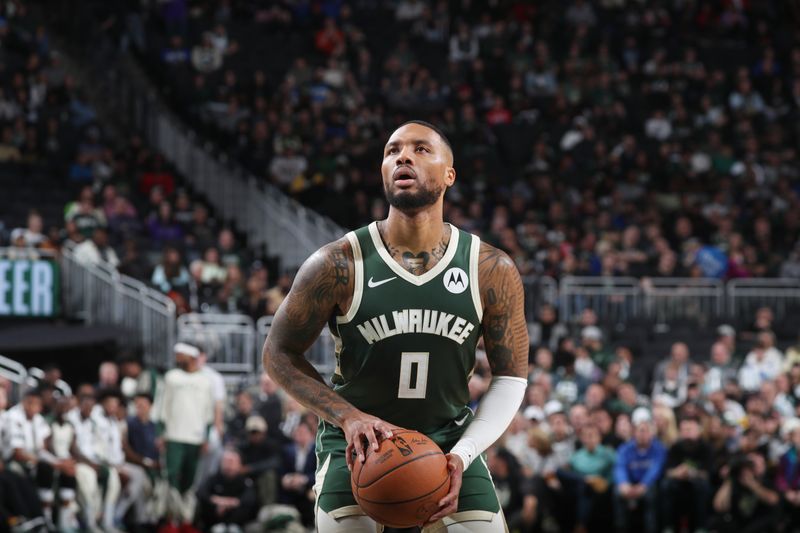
x=98 y=294
x=228 y=339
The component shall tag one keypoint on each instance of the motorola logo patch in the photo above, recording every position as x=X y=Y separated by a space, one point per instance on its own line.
x=456 y=280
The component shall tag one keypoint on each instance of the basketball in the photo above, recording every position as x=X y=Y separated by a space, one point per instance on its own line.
x=401 y=483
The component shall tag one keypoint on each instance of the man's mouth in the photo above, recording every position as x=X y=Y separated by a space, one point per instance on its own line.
x=404 y=176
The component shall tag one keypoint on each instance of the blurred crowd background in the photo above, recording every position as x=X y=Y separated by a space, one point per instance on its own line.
x=599 y=138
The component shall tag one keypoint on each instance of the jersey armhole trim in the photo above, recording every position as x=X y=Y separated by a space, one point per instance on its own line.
x=358 y=290
x=474 y=251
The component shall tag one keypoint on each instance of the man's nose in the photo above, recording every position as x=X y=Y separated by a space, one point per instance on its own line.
x=405 y=157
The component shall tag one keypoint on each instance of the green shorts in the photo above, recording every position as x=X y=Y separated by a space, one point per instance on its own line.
x=332 y=484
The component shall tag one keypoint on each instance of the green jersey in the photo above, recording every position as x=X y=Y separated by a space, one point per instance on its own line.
x=406 y=348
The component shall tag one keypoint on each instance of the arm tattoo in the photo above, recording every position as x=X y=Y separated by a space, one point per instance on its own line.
x=504 y=327
x=341 y=266
x=322 y=285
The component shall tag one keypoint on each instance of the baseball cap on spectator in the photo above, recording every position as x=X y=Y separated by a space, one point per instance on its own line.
x=533 y=412
x=726 y=330
x=592 y=333
x=553 y=407
x=789 y=426
x=255 y=423
x=641 y=415
x=186 y=349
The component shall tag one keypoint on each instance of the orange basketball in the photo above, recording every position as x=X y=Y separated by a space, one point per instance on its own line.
x=400 y=485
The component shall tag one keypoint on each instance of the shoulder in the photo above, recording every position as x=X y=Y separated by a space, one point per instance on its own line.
x=329 y=272
x=495 y=268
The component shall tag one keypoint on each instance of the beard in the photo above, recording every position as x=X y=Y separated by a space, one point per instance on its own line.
x=403 y=200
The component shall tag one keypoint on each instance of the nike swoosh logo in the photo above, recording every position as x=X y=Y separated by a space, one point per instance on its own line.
x=372 y=284
x=463 y=419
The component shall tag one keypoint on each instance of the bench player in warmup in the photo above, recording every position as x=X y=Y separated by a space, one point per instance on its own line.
x=406 y=300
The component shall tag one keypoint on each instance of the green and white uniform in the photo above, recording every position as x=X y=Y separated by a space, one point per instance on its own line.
x=405 y=352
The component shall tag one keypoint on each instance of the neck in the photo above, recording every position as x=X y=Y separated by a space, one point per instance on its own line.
x=417 y=231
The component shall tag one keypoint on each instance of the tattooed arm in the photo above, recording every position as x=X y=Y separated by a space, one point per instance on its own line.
x=505 y=332
x=323 y=288
x=505 y=335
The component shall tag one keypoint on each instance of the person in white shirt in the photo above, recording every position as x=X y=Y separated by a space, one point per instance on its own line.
x=763 y=363
x=210 y=462
x=61 y=443
x=25 y=433
x=95 y=450
x=185 y=417
x=96 y=250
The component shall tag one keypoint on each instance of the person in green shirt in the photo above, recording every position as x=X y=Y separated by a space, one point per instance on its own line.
x=589 y=475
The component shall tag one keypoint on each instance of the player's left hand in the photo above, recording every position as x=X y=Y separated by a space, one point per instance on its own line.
x=449 y=504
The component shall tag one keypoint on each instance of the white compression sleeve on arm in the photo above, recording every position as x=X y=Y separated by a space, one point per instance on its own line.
x=495 y=412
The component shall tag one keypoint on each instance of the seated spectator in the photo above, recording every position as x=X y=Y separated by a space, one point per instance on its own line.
x=297 y=472
x=84 y=214
x=679 y=361
x=212 y=271
x=261 y=456
x=589 y=474
x=142 y=462
x=638 y=468
x=269 y=405
x=157 y=176
x=686 y=486
x=32 y=235
x=162 y=227
x=206 y=58
x=97 y=250
x=61 y=444
x=720 y=370
x=170 y=274
x=745 y=503
x=508 y=482
x=108 y=376
x=228 y=498
x=244 y=409
x=25 y=447
x=176 y=53
x=547 y=330
x=764 y=362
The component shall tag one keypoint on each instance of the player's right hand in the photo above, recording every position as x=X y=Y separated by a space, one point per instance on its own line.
x=362 y=432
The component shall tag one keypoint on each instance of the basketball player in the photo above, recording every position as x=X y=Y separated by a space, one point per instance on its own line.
x=406 y=300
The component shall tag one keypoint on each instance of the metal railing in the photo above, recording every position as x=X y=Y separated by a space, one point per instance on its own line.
x=781 y=295
x=321 y=354
x=611 y=298
x=98 y=294
x=16 y=374
x=666 y=299
x=266 y=215
x=539 y=290
x=228 y=339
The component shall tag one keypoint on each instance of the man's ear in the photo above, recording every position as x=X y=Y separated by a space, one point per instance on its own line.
x=450 y=176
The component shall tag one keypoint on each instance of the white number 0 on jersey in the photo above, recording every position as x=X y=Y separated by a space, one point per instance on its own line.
x=417 y=388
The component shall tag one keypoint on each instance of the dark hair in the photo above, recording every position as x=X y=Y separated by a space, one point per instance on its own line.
x=433 y=127
x=143 y=395
x=30 y=393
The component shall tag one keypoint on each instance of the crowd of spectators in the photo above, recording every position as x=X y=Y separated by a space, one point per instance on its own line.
x=708 y=443
x=125 y=206
x=138 y=450
x=591 y=137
